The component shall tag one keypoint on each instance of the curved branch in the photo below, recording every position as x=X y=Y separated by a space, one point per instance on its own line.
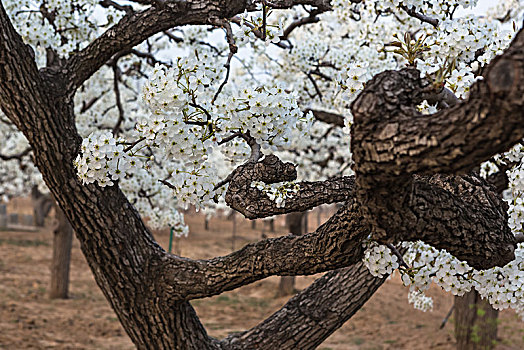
x=17 y=156
x=253 y=203
x=308 y=318
x=137 y=27
x=335 y=244
x=390 y=138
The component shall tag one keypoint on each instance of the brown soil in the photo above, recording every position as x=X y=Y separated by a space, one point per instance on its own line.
x=30 y=320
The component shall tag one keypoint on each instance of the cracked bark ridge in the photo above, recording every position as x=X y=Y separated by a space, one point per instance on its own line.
x=391 y=142
x=335 y=244
x=461 y=214
x=253 y=204
x=390 y=138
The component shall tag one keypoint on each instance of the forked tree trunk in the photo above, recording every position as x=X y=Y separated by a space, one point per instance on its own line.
x=149 y=289
x=475 y=322
x=295 y=224
x=62 y=242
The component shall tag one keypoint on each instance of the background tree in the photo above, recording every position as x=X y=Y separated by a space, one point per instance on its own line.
x=414 y=177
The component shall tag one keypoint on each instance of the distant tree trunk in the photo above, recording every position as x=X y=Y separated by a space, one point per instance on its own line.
x=295 y=224
x=272 y=225
x=42 y=204
x=206 y=223
x=475 y=322
x=62 y=242
x=253 y=224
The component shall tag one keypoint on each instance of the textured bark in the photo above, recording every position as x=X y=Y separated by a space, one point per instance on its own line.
x=317 y=312
x=149 y=288
x=253 y=204
x=62 y=242
x=391 y=139
x=475 y=322
x=337 y=243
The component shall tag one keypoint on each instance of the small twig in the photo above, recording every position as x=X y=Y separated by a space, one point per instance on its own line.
x=230 y=137
x=233 y=49
x=223 y=182
x=314 y=85
x=255 y=148
x=18 y=156
x=130 y=147
x=519 y=237
x=397 y=253
x=445 y=320
x=410 y=11
x=312 y=18
x=126 y=8
x=208 y=115
x=264 y=15
x=116 y=88
x=91 y=102
x=168 y=184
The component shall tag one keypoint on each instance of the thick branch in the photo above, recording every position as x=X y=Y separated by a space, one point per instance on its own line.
x=136 y=27
x=390 y=138
x=328 y=117
x=461 y=214
x=337 y=243
x=308 y=318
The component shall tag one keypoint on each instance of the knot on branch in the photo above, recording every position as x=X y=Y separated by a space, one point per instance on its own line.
x=388 y=94
x=249 y=200
x=271 y=170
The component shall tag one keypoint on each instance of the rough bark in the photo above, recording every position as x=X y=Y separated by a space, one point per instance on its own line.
x=391 y=139
x=475 y=323
x=253 y=204
x=149 y=288
x=62 y=243
x=343 y=292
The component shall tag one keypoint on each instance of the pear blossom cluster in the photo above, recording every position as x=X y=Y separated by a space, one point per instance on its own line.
x=252 y=26
x=420 y=301
x=61 y=25
x=379 y=259
x=431 y=8
x=268 y=114
x=353 y=77
x=277 y=192
x=103 y=159
x=503 y=286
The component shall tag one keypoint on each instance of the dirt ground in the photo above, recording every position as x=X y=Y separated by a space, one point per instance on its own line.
x=30 y=320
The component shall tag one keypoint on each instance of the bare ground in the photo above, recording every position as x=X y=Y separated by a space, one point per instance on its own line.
x=30 y=320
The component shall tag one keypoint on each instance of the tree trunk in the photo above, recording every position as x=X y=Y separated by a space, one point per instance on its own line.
x=295 y=224
x=475 y=322
x=42 y=204
x=272 y=225
x=62 y=242
x=149 y=289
